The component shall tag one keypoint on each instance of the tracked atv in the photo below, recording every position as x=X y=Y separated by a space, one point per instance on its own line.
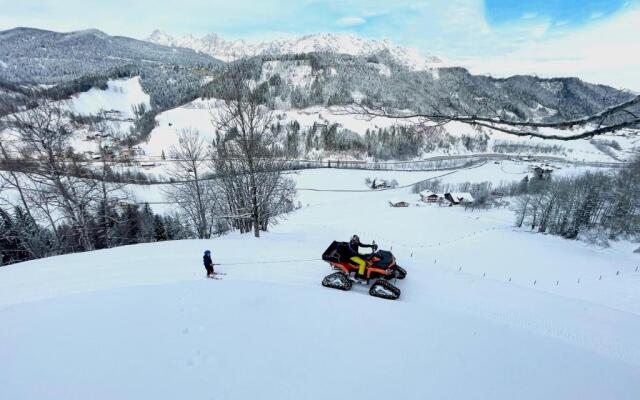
x=381 y=268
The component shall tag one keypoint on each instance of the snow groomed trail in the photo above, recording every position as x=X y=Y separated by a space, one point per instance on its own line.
x=143 y=322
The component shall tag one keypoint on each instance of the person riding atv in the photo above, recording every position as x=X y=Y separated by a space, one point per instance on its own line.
x=379 y=266
x=356 y=257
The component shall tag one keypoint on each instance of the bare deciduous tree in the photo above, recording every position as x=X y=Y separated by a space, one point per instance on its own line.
x=51 y=181
x=194 y=195
x=611 y=119
x=245 y=154
x=110 y=193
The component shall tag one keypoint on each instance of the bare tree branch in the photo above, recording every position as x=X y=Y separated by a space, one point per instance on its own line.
x=611 y=119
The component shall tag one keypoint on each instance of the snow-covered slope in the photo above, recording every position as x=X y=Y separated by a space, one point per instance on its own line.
x=120 y=97
x=113 y=108
x=342 y=43
x=40 y=56
x=197 y=115
x=486 y=312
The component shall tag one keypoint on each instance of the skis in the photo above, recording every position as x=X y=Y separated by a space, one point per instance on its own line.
x=216 y=275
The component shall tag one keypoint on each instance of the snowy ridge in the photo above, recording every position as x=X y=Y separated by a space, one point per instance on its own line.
x=343 y=43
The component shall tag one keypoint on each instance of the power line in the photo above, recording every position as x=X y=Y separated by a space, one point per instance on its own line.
x=142 y=159
x=343 y=190
x=391 y=188
x=305 y=164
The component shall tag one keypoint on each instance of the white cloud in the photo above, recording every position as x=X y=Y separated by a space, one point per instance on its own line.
x=351 y=21
x=539 y=30
x=375 y=13
x=604 y=52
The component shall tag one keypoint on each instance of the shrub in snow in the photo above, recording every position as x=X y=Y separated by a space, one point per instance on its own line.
x=595 y=237
x=601 y=143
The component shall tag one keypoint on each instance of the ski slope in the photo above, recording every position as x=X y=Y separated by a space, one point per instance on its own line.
x=120 y=97
x=142 y=321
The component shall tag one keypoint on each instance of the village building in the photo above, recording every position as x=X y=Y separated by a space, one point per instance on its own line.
x=459 y=198
x=378 y=183
x=542 y=172
x=427 y=196
x=398 y=203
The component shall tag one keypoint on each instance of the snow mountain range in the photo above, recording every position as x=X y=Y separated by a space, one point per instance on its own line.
x=340 y=43
x=314 y=70
x=42 y=56
x=77 y=61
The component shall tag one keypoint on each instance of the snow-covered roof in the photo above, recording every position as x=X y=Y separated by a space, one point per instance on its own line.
x=464 y=196
x=546 y=167
x=427 y=193
x=397 y=200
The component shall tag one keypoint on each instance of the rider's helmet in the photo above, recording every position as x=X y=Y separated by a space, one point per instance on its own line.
x=355 y=238
x=207 y=252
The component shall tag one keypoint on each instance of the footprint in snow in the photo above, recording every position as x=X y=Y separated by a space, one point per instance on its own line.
x=198 y=359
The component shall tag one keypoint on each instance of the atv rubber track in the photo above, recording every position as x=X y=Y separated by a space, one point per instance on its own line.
x=384 y=290
x=401 y=272
x=337 y=280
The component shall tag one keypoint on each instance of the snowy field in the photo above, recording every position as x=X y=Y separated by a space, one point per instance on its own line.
x=347 y=179
x=199 y=113
x=120 y=96
x=487 y=312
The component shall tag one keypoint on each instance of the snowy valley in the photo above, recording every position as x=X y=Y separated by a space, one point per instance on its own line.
x=511 y=203
x=115 y=105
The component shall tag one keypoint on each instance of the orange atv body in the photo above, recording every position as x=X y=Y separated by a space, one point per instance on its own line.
x=380 y=265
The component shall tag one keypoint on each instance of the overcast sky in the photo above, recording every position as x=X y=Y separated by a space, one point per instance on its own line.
x=597 y=40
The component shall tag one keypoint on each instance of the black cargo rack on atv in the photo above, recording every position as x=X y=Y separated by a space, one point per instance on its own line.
x=336 y=252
